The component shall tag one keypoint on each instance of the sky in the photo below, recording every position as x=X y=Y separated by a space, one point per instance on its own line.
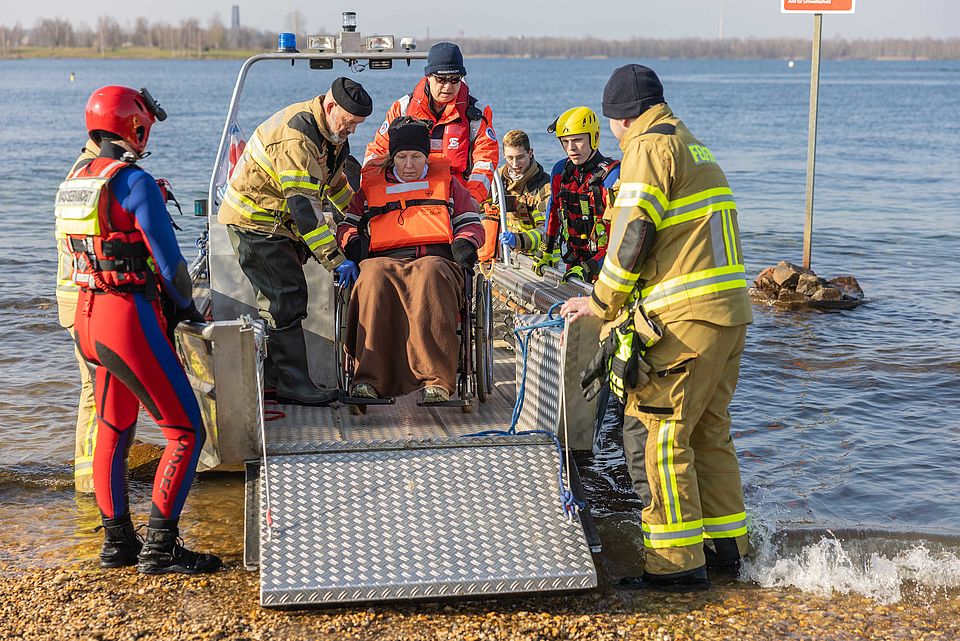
x=616 y=19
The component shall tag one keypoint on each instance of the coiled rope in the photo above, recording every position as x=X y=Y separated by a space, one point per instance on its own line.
x=571 y=505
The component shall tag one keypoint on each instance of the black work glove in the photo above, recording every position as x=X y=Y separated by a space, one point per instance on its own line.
x=177 y=315
x=594 y=377
x=464 y=253
x=353 y=250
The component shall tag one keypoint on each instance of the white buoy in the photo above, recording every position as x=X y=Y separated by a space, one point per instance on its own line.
x=790 y=64
x=72 y=77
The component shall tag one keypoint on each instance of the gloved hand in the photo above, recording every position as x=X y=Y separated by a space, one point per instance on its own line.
x=545 y=259
x=329 y=260
x=176 y=315
x=464 y=253
x=618 y=361
x=509 y=239
x=594 y=377
x=353 y=250
x=347 y=273
x=574 y=273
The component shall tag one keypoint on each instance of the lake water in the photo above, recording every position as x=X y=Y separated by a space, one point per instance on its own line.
x=844 y=422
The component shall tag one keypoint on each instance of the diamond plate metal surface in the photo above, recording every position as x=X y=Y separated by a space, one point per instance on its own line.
x=541 y=404
x=319 y=429
x=418 y=523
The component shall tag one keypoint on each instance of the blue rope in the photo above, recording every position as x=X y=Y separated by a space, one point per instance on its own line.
x=523 y=333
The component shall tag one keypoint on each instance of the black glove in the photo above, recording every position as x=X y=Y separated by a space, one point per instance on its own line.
x=594 y=377
x=464 y=253
x=353 y=250
x=177 y=315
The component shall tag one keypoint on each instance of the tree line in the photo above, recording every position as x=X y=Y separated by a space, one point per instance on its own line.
x=191 y=38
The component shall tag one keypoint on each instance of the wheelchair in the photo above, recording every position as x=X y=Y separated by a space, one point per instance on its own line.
x=475 y=362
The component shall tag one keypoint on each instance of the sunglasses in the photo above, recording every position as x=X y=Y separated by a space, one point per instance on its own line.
x=447 y=80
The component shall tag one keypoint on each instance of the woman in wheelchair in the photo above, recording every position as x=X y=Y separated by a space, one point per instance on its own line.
x=413 y=229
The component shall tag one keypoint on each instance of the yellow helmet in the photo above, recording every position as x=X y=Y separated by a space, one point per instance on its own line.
x=579 y=120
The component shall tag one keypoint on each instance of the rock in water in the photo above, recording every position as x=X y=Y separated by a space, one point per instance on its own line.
x=827 y=294
x=765 y=281
x=848 y=286
x=787 y=275
x=143 y=460
x=808 y=284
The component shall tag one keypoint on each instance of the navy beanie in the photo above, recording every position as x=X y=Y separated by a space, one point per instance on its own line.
x=352 y=96
x=631 y=90
x=408 y=134
x=444 y=59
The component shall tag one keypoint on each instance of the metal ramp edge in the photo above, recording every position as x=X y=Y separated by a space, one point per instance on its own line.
x=420 y=521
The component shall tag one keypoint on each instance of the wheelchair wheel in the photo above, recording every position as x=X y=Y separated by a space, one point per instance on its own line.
x=483 y=338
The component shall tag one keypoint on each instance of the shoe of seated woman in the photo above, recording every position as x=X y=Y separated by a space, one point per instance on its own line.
x=364 y=390
x=435 y=394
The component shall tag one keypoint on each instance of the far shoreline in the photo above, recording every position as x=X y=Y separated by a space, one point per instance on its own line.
x=86 y=53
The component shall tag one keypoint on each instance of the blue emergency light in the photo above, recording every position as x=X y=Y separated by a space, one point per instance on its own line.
x=287 y=42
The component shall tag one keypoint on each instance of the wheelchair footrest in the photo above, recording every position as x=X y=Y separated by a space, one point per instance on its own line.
x=361 y=400
x=453 y=402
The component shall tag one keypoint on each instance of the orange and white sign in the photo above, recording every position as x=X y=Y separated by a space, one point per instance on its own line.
x=817 y=6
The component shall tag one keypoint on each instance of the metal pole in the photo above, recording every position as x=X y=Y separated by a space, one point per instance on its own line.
x=812 y=137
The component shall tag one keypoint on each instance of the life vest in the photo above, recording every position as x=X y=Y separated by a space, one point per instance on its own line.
x=583 y=202
x=408 y=214
x=451 y=140
x=107 y=250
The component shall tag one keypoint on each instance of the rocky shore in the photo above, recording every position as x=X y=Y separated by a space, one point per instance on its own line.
x=791 y=286
x=82 y=602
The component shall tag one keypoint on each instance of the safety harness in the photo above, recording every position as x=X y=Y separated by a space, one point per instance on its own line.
x=584 y=231
x=103 y=257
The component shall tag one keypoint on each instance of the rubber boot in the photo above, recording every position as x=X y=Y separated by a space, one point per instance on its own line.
x=288 y=350
x=269 y=379
x=690 y=581
x=723 y=558
x=121 y=545
x=163 y=553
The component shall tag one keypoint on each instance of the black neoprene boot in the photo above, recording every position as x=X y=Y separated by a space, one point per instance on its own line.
x=680 y=582
x=723 y=558
x=163 y=553
x=121 y=545
x=288 y=350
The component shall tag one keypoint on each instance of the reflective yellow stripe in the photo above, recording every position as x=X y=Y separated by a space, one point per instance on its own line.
x=688 y=286
x=698 y=205
x=318 y=237
x=617 y=278
x=673 y=534
x=648 y=197
x=293 y=178
x=725 y=527
x=341 y=199
x=668 y=475
x=247 y=207
x=259 y=156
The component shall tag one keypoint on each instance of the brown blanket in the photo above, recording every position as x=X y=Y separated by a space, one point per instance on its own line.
x=402 y=324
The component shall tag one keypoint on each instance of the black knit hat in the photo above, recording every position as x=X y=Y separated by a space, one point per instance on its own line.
x=352 y=96
x=444 y=59
x=631 y=90
x=409 y=134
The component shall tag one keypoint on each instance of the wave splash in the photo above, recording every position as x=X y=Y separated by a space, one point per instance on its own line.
x=884 y=566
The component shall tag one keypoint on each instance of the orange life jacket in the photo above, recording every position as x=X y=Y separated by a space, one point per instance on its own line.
x=408 y=214
x=108 y=251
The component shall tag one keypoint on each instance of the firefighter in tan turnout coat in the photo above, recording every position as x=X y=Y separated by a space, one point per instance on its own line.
x=273 y=208
x=675 y=258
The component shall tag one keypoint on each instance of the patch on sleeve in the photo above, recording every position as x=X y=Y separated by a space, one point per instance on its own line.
x=491 y=134
x=701 y=154
x=383 y=128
